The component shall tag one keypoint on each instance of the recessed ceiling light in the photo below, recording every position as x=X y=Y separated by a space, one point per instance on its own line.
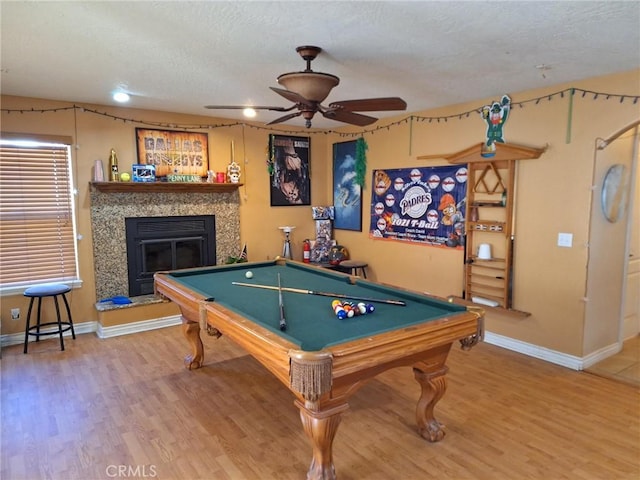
x=249 y=112
x=121 y=97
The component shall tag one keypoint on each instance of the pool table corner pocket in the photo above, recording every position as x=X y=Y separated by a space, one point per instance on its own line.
x=310 y=373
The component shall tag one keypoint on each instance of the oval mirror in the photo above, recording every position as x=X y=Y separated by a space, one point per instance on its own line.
x=614 y=193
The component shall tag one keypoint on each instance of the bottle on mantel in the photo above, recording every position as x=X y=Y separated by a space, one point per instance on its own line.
x=113 y=167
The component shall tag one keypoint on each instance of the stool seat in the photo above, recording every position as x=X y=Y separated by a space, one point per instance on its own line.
x=354 y=265
x=42 y=291
x=47 y=290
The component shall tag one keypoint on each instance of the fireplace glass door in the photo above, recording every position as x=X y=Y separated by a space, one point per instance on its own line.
x=156 y=244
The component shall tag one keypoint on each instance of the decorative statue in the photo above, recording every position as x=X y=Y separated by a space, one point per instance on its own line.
x=495 y=116
x=233 y=172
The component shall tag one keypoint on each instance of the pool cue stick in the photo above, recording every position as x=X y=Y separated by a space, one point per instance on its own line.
x=512 y=240
x=323 y=294
x=283 y=321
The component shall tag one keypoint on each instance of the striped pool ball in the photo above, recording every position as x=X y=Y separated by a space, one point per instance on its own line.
x=348 y=309
x=338 y=310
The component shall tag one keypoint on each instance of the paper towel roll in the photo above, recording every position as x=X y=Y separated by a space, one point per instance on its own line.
x=485 y=301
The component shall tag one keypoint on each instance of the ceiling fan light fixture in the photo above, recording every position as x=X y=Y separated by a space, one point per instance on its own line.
x=314 y=86
x=306 y=91
x=249 y=112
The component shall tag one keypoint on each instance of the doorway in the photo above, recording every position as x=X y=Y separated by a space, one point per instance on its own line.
x=625 y=365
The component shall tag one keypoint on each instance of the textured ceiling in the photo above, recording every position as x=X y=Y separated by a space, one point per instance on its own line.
x=180 y=56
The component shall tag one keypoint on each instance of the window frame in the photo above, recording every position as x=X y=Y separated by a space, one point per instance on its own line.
x=66 y=209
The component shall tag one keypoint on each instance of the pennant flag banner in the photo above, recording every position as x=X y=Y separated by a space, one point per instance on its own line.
x=420 y=205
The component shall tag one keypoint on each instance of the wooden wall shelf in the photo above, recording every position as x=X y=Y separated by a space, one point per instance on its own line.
x=505 y=311
x=491 y=185
x=169 y=187
x=504 y=151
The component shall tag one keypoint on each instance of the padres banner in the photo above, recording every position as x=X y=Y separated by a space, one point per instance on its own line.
x=420 y=205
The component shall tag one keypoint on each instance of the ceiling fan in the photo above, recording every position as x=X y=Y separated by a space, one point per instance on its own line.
x=308 y=89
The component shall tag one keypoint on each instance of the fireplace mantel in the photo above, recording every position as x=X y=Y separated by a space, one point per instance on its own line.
x=142 y=187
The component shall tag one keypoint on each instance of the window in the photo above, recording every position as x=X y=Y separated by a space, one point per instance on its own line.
x=37 y=217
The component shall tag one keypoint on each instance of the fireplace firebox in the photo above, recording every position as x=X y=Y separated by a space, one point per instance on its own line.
x=157 y=244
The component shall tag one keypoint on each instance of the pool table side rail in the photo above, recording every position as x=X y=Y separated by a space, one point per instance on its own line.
x=266 y=346
x=409 y=294
x=397 y=347
x=363 y=358
x=191 y=303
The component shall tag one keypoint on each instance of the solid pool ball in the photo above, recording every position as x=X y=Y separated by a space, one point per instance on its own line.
x=249 y=274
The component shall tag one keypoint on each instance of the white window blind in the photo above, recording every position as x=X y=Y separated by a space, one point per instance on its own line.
x=37 y=222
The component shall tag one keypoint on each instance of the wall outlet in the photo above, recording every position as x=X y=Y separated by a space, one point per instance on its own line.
x=15 y=314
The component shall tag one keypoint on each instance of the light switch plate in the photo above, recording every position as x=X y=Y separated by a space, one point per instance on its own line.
x=565 y=239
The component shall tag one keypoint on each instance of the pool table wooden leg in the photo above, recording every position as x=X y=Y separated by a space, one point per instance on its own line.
x=433 y=381
x=321 y=427
x=191 y=330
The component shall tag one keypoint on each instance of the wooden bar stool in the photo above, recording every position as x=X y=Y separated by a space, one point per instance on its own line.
x=353 y=266
x=48 y=290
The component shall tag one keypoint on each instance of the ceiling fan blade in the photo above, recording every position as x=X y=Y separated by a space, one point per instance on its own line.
x=242 y=107
x=371 y=104
x=348 y=117
x=292 y=96
x=284 y=118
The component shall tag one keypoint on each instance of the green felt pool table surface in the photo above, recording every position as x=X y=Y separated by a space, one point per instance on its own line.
x=311 y=321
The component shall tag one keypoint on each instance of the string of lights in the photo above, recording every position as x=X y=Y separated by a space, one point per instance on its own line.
x=572 y=92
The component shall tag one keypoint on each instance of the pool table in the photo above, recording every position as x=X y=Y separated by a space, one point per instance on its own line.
x=322 y=359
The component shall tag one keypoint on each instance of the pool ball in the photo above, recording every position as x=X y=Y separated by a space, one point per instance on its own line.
x=249 y=274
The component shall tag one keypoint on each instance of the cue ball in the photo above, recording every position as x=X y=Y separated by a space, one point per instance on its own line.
x=249 y=274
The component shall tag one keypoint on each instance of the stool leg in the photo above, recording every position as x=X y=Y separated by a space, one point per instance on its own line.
x=66 y=304
x=364 y=272
x=26 y=330
x=38 y=319
x=55 y=300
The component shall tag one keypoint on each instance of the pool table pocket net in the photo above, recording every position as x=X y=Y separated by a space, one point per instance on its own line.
x=310 y=373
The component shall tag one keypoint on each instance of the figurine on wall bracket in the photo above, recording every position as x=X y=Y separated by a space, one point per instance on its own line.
x=495 y=115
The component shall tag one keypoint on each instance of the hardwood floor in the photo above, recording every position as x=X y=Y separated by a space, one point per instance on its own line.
x=624 y=366
x=125 y=407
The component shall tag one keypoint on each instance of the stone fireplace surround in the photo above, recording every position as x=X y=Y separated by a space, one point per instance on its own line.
x=109 y=209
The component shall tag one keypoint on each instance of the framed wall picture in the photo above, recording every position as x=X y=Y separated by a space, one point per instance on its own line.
x=173 y=153
x=347 y=193
x=290 y=179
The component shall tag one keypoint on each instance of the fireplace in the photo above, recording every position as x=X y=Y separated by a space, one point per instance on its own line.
x=110 y=209
x=167 y=243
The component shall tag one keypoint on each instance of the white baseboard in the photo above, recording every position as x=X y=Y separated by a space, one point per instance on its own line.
x=100 y=331
x=143 y=326
x=601 y=354
x=18 y=338
x=559 y=358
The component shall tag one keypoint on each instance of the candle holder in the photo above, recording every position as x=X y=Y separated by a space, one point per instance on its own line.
x=286 y=248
